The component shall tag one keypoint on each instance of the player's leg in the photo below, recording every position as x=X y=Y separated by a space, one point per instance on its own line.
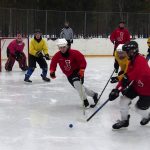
x=75 y=81
x=9 y=63
x=143 y=108
x=23 y=62
x=92 y=94
x=32 y=66
x=43 y=65
x=7 y=52
x=124 y=109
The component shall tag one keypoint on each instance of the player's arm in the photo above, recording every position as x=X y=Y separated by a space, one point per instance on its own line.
x=62 y=34
x=123 y=71
x=81 y=60
x=11 y=48
x=45 y=47
x=22 y=48
x=53 y=66
x=32 y=50
x=127 y=34
x=71 y=32
x=112 y=36
x=45 y=50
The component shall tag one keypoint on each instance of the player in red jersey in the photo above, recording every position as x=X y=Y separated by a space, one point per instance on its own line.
x=15 y=53
x=120 y=35
x=136 y=82
x=73 y=65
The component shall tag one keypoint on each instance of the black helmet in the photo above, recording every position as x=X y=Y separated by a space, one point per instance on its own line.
x=132 y=45
x=37 y=31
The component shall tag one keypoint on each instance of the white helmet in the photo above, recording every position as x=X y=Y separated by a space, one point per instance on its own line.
x=119 y=48
x=61 y=42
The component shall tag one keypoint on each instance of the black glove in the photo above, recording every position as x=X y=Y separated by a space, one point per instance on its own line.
x=148 y=50
x=113 y=42
x=114 y=94
x=39 y=54
x=47 y=57
x=125 y=81
x=114 y=79
x=18 y=55
x=52 y=75
x=120 y=73
x=116 y=66
x=71 y=41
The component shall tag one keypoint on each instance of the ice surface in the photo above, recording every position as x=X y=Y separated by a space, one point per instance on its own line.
x=37 y=116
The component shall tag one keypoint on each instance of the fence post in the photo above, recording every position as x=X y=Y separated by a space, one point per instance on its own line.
x=27 y=23
x=10 y=22
x=85 y=24
x=127 y=19
x=65 y=16
x=46 y=23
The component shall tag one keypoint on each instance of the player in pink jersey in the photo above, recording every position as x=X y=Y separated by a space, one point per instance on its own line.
x=15 y=53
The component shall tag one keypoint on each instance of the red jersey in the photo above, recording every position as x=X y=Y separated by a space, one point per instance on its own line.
x=68 y=65
x=14 y=46
x=120 y=36
x=139 y=72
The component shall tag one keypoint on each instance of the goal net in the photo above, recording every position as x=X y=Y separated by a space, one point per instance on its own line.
x=4 y=42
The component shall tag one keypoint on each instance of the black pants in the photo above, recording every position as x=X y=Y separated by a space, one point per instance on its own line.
x=144 y=101
x=75 y=77
x=40 y=60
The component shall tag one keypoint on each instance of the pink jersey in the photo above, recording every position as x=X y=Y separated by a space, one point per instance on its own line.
x=14 y=46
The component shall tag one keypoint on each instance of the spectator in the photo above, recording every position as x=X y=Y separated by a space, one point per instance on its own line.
x=67 y=33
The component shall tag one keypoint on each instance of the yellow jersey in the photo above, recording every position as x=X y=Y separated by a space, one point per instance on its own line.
x=123 y=63
x=35 y=46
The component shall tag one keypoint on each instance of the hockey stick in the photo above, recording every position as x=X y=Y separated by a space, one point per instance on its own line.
x=106 y=84
x=82 y=98
x=92 y=106
x=107 y=102
x=98 y=110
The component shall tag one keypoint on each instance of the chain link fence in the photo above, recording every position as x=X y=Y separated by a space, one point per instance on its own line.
x=84 y=24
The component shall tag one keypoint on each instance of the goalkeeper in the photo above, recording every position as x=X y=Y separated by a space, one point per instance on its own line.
x=15 y=53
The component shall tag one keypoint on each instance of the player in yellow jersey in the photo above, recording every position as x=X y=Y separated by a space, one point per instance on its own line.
x=123 y=62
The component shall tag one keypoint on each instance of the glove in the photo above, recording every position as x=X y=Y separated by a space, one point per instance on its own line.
x=81 y=73
x=125 y=81
x=120 y=73
x=52 y=75
x=114 y=94
x=39 y=54
x=113 y=42
x=148 y=50
x=71 y=41
x=114 y=79
x=47 y=57
x=18 y=55
x=116 y=66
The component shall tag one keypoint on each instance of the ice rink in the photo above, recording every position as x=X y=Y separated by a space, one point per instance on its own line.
x=36 y=116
